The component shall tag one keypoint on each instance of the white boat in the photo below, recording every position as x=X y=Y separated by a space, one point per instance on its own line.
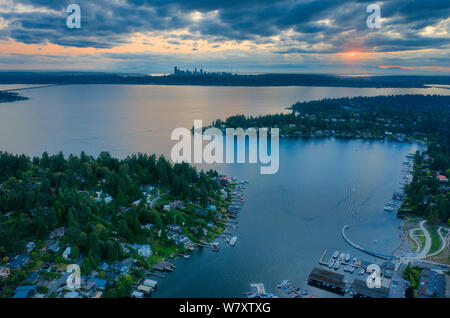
x=335 y=254
x=347 y=257
x=233 y=240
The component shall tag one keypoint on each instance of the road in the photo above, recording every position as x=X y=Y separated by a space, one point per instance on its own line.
x=424 y=252
x=155 y=199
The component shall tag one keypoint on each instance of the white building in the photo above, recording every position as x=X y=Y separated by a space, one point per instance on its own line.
x=67 y=252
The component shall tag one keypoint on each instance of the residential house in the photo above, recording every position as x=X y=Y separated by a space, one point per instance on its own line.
x=19 y=261
x=25 y=291
x=67 y=252
x=137 y=294
x=143 y=250
x=4 y=273
x=72 y=294
x=54 y=248
x=177 y=204
x=100 y=283
x=183 y=240
x=33 y=278
x=30 y=246
x=87 y=286
x=59 y=232
x=150 y=283
x=442 y=178
x=175 y=227
x=146 y=290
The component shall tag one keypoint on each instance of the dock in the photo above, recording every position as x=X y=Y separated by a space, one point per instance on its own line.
x=156 y=274
x=321 y=261
x=164 y=266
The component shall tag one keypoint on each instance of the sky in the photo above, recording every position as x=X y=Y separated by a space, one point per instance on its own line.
x=241 y=36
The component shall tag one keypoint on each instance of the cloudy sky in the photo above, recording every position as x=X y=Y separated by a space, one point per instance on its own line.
x=244 y=36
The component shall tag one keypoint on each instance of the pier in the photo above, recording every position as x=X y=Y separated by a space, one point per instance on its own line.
x=321 y=261
x=156 y=274
x=379 y=255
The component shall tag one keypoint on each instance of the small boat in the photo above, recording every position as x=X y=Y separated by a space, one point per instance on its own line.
x=330 y=263
x=233 y=240
x=347 y=257
x=215 y=248
x=336 y=265
x=335 y=254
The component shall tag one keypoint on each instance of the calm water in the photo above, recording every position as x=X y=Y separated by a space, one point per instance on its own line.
x=288 y=219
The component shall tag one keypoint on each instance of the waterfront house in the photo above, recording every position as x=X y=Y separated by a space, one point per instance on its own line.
x=363 y=291
x=183 y=240
x=144 y=289
x=166 y=207
x=137 y=294
x=150 y=283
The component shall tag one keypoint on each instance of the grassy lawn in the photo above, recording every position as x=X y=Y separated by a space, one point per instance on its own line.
x=422 y=240
x=435 y=239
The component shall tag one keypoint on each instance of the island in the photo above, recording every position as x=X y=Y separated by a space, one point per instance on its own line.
x=6 y=97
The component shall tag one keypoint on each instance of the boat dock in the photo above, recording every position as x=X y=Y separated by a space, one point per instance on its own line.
x=156 y=274
x=164 y=266
x=321 y=261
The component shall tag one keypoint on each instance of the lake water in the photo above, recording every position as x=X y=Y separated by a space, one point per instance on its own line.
x=288 y=218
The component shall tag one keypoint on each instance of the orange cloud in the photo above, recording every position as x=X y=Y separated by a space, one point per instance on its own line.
x=418 y=68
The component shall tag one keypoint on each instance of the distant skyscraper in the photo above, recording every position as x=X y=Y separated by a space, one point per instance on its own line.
x=175 y=70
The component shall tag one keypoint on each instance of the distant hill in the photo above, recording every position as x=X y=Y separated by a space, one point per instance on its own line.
x=24 y=77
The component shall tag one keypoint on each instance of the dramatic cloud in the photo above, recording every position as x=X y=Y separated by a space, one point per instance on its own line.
x=245 y=34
